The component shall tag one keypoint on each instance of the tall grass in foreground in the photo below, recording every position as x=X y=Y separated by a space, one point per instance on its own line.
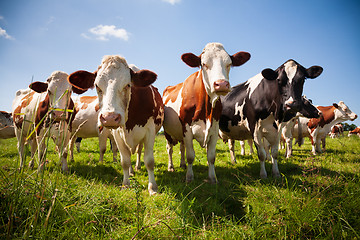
x=317 y=197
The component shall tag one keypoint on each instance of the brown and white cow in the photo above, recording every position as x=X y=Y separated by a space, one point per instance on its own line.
x=356 y=131
x=336 y=131
x=85 y=125
x=193 y=108
x=6 y=125
x=318 y=128
x=129 y=106
x=44 y=110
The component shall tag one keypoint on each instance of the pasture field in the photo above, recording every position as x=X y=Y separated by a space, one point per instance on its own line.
x=318 y=197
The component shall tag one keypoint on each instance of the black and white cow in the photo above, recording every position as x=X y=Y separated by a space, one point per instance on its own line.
x=256 y=108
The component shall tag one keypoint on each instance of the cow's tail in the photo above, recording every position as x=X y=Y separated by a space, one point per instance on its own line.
x=300 y=135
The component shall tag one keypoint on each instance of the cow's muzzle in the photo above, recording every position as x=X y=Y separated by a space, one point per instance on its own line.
x=222 y=87
x=58 y=116
x=110 y=120
x=293 y=106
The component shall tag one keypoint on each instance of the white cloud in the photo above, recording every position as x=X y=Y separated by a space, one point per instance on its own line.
x=4 y=34
x=172 y=2
x=104 y=32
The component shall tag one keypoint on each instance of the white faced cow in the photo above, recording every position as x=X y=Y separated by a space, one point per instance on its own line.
x=317 y=129
x=85 y=125
x=6 y=125
x=129 y=106
x=255 y=109
x=192 y=108
x=356 y=131
x=42 y=111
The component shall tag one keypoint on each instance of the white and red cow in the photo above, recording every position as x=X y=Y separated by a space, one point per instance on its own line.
x=317 y=129
x=255 y=109
x=129 y=106
x=356 y=131
x=308 y=111
x=6 y=125
x=193 y=108
x=85 y=125
x=336 y=131
x=44 y=110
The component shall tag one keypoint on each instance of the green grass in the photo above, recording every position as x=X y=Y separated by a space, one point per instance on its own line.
x=317 y=197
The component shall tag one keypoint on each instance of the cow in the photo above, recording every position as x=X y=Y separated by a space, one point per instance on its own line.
x=193 y=107
x=85 y=125
x=129 y=106
x=44 y=110
x=336 y=131
x=256 y=108
x=6 y=125
x=317 y=129
x=356 y=131
x=308 y=110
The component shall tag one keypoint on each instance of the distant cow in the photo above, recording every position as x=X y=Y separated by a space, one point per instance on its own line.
x=129 y=106
x=85 y=125
x=193 y=107
x=44 y=110
x=356 y=131
x=255 y=109
x=6 y=125
x=336 y=131
x=308 y=111
x=317 y=129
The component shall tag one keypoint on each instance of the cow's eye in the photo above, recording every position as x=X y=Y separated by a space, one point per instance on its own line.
x=205 y=66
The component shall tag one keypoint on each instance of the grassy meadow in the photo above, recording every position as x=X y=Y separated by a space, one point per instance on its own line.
x=317 y=196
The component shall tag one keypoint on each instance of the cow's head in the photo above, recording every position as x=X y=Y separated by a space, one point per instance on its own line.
x=58 y=92
x=113 y=81
x=291 y=78
x=308 y=110
x=215 y=65
x=343 y=112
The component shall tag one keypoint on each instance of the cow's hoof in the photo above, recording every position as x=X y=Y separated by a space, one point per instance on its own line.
x=183 y=166
x=153 y=188
x=171 y=169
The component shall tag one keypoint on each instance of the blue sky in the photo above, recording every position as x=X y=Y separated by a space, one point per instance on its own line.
x=40 y=36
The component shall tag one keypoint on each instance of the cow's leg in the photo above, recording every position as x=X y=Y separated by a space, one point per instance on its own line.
x=261 y=153
x=267 y=147
x=313 y=137
x=274 y=139
x=33 y=148
x=250 y=142
x=182 y=155
x=169 y=149
x=71 y=148
x=138 y=157
x=211 y=155
x=125 y=156
x=77 y=144
x=149 y=161
x=190 y=156
x=113 y=148
x=20 y=146
x=288 y=150
x=103 y=136
x=231 y=143
x=62 y=143
x=40 y=139
x=323 y=143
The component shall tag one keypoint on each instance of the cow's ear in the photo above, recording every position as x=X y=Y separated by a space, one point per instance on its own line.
x=142 y=78
x=191 y=59
x=81 y=81
x=314 y=71
x=335 y=105
x=240 y=58
x=38 y=87
x=269 y=74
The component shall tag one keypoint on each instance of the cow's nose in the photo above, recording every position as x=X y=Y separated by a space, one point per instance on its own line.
x=58 y=115
x=293 y=105
x=222 y=87
x=110 y=120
